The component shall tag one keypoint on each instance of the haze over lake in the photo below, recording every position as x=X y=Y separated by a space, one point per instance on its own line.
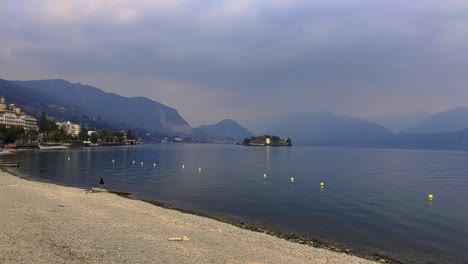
x=374 y=200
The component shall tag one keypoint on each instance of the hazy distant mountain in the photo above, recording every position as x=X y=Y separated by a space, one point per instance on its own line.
x=449 y=121
x=399 y=121
x=135 y=111
x=226 y=129
x=325 y=128
x=320 y=128
x=451 y=140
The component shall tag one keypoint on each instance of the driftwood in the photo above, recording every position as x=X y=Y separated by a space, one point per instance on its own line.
x=9 y=164
x=184 y=238
x=96 y=190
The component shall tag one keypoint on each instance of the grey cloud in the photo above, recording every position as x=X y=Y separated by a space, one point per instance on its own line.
x=322 y=53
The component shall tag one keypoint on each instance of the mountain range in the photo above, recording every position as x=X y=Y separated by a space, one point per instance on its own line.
x=85 y=104
x=34 y=102
x=397 y=122
x=325 y=128
x=227 y=129
x=444 y=122
x=138 y=112
x=63 y=101
x=328 y=129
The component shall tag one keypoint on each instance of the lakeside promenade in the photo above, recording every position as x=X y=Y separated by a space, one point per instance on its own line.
x=47 y=223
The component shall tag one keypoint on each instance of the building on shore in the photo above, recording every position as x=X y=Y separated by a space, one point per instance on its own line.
x=69 y=128
x=11 y=115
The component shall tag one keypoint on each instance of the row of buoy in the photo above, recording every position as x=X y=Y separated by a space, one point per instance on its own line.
x=154 y=164
x=430 y=197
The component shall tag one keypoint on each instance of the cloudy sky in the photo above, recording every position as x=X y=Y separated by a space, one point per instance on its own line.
x=245 y=59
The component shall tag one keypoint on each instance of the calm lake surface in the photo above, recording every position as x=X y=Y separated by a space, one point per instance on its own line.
x=374 y=200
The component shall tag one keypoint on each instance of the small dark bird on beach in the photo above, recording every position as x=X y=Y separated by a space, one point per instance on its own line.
x=101 y=182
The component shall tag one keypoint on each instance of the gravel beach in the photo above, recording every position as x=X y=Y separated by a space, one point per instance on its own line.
x=47 y=223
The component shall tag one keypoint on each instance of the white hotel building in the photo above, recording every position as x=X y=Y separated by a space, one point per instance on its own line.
x=11 y=115
x=70 y=128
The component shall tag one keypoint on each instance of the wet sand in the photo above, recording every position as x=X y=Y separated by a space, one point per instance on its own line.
x=47 y=223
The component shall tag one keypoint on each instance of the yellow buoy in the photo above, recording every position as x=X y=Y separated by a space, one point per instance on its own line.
x=322 y=184
x=141 y=163
x=264 y=176
x=430 y=197
x=154 y=165
x=199 y=168
x=68 y=158
x=292 y=179
x=183 y=166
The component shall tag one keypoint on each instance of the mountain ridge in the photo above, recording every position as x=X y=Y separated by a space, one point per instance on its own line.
x=325 y=128
x=226 y=129
x=137 y=111
x=452 y=120
x=34 y=102
x=396 y=122
x=317 y=128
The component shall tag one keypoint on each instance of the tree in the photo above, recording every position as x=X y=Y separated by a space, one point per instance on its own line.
x=83 y=135
x=51 y=126
x=130 y=135
x=119 y=136
x=94 y=138
x=43 y=123
x=11 y=134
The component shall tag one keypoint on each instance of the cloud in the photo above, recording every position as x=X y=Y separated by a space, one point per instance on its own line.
x=127 y=15
x=70 y=11
x=343 y=56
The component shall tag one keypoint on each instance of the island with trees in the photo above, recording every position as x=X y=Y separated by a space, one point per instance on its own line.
x=267 y=140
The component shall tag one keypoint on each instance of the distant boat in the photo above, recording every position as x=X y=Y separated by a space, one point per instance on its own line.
x=10 y=146
x=52 y=145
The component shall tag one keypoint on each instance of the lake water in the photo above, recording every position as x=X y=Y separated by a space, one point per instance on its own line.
x=374 y=200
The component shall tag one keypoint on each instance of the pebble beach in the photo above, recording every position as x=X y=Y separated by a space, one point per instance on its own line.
x=47 y=223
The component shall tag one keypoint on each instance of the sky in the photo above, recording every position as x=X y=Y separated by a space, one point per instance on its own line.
x=247 y=60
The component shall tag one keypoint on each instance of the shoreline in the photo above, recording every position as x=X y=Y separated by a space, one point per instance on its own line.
x=39 y=191
x=291 y=237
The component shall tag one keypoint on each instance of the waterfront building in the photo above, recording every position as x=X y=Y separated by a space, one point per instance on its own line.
x=69 y=128
x=11 y=115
